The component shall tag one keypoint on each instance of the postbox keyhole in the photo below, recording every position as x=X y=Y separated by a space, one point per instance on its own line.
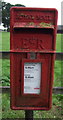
x=31 y=55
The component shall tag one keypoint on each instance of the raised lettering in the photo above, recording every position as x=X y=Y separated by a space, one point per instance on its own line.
x=40 y=45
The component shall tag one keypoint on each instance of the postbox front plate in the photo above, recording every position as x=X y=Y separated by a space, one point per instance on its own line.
x=32 y=46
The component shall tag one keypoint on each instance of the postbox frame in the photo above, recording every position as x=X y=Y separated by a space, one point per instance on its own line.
x=17 y=52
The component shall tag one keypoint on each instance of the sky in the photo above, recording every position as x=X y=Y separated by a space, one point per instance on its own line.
x=40 y=4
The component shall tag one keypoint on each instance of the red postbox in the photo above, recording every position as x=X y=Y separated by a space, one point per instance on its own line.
x=32 y=47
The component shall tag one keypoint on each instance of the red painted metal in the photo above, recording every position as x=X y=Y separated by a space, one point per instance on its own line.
x=32 y=32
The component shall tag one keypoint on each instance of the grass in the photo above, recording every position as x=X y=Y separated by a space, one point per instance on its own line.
x=58 y=43
x=62 y=43
x=5 y=75
x=55 y=112
x=58 y=74
x=5 y=41
x=0 y=106
x=0 y=40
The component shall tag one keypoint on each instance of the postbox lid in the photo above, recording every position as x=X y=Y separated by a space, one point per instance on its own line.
x=33 y=25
